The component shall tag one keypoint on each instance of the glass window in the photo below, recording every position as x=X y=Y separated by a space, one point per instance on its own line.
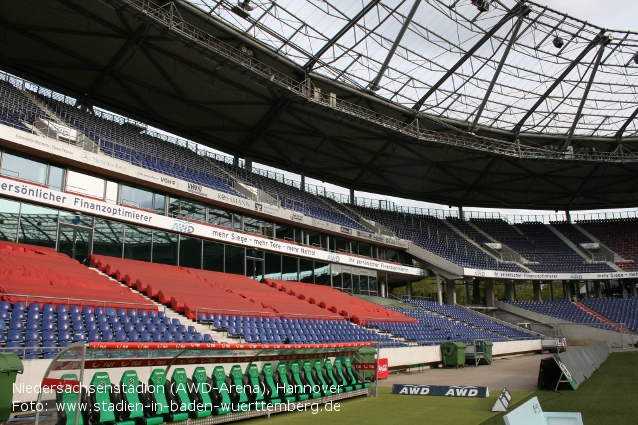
x=322 y=273
x=137 y=197
x=220 y=217
x=306 y=269
x=159 y=204
x=289 y=268
x=284 y=233
x=137 y=242
x=9 y=214
x=79 y=219
x=164 y=247
x=364 y=249
x=237 y=222
x=24 y=169
x=257 y=226
x=347 y=283
x=173 y=207
x=107 y=237
x=372 y=285
x=337 y=277
x=190 y=252
x=355 y=284
x=235 y=259
x=363 y=285
x=38 y=226
x=56 y=178
x=192 y=210
x=311 y=238
x=342 y=244
x=110 y=195
x=213 y=256
x=254 y=253
x=85 y=184
x=273 y=266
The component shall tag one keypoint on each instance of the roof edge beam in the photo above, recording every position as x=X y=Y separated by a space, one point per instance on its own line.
x=557 y=81
x=313 y=60
x=488 y=35
x=513 y=37
x=374 y=85
x=599 y=58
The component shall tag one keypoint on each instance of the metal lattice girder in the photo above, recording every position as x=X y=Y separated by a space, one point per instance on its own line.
x=374 y=85
x=311 y=62
x=519 y=8
x=599 y=56
x=517 y=26
x=595 y=42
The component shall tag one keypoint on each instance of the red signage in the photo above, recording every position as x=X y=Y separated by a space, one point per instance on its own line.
x=382 y=370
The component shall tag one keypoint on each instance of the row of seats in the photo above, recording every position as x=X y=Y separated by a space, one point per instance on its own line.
x=40 y=331
x=202 y=394
x=565 y=310
x=298 y=331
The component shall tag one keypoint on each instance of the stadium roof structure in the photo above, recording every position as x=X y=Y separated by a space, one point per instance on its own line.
x=462 y=102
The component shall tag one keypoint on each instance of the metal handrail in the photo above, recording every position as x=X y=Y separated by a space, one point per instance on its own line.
x=104 y=302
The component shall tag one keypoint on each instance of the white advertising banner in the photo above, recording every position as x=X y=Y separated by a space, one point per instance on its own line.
x=73 y=202
x=548 y=276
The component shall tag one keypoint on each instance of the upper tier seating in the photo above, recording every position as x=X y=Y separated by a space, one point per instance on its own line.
x=565 y=310
x=346 y=305
x=546 y=251
x=468 y=230
x=297 y=200
x=193 y=291
x=433 y=235
x=41 y=272
x=617 y=310
x=620 y=235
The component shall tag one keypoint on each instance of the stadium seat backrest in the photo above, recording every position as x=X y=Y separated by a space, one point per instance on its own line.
x=355 y=377
x=179 y=389
x=237 y=378
x=130 y=384
x=337 y=371
x=318 y=377
x=306 y=373
x=271 y=391
x=203 y=384
x=285 y=386
x=68 y=400
x=256 y=391
x=219 y=383
x=159 y=403
x=331 y=380
x=101 y=387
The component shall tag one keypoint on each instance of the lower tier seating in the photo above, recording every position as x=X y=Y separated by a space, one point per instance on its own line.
x=40 y=331
x=617 y=310
x=346 y=305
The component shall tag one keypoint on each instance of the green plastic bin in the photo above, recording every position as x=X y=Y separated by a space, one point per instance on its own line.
x=487 y=349
x=10 y=366
x=453 y=353
x=366 y=355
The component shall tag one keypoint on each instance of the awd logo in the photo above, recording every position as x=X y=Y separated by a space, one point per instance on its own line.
x=196 y=188
x=333 y=257
x=183 y=227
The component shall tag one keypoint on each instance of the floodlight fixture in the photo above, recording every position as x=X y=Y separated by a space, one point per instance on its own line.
x=481 y=5
x=558 y=42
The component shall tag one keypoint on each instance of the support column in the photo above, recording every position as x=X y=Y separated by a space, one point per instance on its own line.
x=439 y=291
x=408 y=289
x=632 y=288
x=537 y=291
x=461 y=213
x=597 y=292
x=451 y=293
x=384 y=287
x=490 y=300
x=351 y=196
x=567 y=289
x=248 y=164
x=468 y=295
x=509 y=291
x=476 y=292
